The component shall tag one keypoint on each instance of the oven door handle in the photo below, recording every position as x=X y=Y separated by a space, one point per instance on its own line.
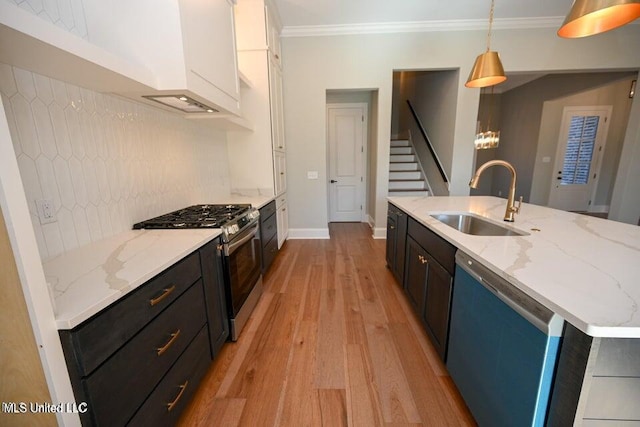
x=230 y=248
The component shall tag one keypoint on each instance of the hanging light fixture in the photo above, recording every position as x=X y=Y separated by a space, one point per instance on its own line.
x=489 y=138
x=589 y=17
x=487 y=70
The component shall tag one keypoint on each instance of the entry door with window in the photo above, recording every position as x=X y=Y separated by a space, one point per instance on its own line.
x=346 y=132
x=583 y=135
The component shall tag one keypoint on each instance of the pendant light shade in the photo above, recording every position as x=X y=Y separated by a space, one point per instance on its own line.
x=486 y=71
x=589 y=17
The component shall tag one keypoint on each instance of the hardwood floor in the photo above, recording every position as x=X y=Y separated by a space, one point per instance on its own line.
x=332 y=342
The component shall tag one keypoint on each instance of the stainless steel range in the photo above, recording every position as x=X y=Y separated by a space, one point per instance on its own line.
x=240 y=248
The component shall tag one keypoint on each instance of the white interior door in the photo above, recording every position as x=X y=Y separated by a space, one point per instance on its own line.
x=346 y=130
x=583 y=135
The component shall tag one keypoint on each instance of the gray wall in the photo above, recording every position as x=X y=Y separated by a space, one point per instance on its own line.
x=521 y=115
x=615 y=94
x=433 y=95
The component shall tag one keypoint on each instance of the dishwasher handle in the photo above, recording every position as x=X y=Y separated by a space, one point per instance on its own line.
x=541 y=317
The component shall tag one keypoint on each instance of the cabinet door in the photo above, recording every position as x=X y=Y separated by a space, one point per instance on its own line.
x=415 y=283
x=273 y=36
x=276 y=105
x=401 y=241
x=438 y=304
x=392 y=232
x=214 y=292
x=210 y=49
x=280 y=177
x=283 y=223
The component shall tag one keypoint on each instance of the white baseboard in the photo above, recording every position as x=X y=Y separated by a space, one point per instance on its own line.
x=380 y=233
x=370 y=221
x=599 y=208
x=308 y=233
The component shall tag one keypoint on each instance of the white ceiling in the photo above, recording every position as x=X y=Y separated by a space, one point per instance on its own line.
x=344 y=12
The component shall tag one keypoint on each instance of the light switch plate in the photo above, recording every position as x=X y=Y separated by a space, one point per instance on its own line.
x=46 y=211
x=312 y=174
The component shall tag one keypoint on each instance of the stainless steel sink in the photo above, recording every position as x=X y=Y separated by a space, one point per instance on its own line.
x=476 y=226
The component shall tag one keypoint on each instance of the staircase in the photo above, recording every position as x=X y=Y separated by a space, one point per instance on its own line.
x=405 y=176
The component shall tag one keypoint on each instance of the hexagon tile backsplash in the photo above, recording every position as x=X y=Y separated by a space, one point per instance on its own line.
x=66 y=14
x=105 y=162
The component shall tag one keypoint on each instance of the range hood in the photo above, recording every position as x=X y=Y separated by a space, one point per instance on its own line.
x=182 y=102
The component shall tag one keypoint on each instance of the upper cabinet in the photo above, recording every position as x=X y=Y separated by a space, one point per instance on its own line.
x=189 y=46
x=273 y=34
x=137 y=49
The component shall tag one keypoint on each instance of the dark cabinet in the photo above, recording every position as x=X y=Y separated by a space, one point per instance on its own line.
x=429 y=267
x=214 y=293
x=152 y=346
x=438 y=304
x=396 y=241
x=268 y=234
x=416 y=279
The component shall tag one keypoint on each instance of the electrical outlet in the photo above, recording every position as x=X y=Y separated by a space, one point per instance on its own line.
x=312 y=174
x=46 y=212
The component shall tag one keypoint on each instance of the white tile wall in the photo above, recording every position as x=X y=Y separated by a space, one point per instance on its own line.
x=105 y=162
x=66 y=14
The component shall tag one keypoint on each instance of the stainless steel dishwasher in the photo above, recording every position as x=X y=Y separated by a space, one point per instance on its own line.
x=503 y=347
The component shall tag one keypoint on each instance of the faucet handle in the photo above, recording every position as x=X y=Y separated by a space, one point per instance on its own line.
x=516 y=209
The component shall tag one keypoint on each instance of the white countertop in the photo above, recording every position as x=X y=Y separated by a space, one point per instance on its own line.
x=88 y=279
x=585 y=269
x=256 y=201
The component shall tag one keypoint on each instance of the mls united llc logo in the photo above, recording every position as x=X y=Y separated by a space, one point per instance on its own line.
x=45 y=407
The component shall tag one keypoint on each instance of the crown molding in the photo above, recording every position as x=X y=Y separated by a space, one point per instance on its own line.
x=421 y=26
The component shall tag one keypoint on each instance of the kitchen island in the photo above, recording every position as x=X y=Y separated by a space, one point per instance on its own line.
x=586 y=270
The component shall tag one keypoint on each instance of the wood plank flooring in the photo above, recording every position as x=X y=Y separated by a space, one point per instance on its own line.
x=332 y=342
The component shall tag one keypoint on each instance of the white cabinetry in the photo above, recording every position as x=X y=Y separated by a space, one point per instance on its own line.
x=282 y=219
x=210 y=51
x=144 y=47
x=258 y=160
x=280 y=173
x=277 y=113
x=189 y=45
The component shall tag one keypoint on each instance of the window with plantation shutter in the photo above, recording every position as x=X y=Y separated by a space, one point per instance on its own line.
x=579 y=152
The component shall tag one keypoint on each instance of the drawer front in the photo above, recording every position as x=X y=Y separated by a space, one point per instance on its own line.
x=443 y=251
x=99 y=337
x=122 y=383
x=164 y=405
x=269 y=252
x=281 y=200
x=268 y=228
x=267 y=210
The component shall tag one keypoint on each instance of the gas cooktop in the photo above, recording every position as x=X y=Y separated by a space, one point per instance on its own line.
x=197 y=216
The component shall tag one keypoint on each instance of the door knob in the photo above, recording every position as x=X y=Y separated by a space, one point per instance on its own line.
x=333 y=181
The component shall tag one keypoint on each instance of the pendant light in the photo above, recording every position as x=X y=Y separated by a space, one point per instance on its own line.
x=489 y=138
x=487 y=70
x=589 y=17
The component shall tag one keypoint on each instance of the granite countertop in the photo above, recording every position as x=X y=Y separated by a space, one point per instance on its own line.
x=86 y=280
x=585 y=269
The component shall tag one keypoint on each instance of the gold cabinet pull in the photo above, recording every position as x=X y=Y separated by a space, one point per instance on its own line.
x=422 y=259
x=171 y=405
x=165 y=293
x=174 y=337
